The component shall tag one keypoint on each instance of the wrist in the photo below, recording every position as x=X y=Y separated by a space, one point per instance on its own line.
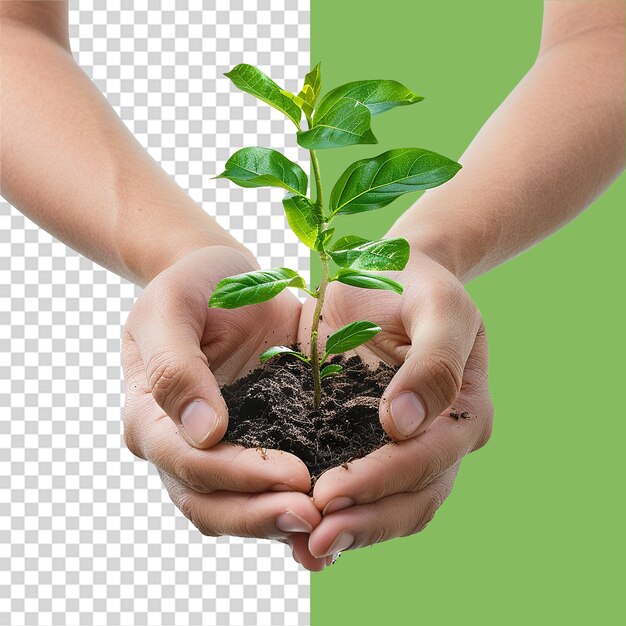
x=147 y=259
x=458 y=246
x=435 y=245
x=222 y=249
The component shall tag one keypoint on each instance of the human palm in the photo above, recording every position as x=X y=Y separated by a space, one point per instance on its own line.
x=176 y=353
x=435 y=334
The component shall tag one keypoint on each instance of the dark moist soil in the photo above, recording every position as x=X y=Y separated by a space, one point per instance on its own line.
x=272 y=407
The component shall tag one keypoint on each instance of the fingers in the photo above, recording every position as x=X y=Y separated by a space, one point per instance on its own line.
x=285 y=517
x=176 y=370
x=431 y=376
x=413 y=464
x=407 y=466
x=149 y=434
x=301 y=554
x=263 y=515
x=398 y=515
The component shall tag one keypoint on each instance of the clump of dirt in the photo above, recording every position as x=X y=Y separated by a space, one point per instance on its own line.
x=272 y=407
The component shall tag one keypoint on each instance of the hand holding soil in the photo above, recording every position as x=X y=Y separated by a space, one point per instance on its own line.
x=435 y=334
x=170 y=338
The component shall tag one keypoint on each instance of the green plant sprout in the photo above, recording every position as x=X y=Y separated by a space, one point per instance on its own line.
x=342 y=118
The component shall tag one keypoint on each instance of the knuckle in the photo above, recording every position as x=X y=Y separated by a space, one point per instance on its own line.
x=429 y=514
x=130 y=441
x=485 y=434
x=435 y=495
x=180 y=465
x=423 y=518
x=187 y=474
x=382 y=530
x=188 y=508
x=165 y=378
x=434 y=461
x=486 y=422
x=249 y=522
x=130 y=434
x=185 y=504
x=387 y=482
x=444 y=377
x=132 y=366
x=433 y=465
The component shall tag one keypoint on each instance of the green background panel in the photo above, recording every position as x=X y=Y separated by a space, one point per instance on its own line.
x=533 y=531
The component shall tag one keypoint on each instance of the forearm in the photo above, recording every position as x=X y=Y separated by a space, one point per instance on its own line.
x=70 y=164
x=550 y=149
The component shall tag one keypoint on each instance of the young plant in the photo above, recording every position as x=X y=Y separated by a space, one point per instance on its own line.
x=341 y=118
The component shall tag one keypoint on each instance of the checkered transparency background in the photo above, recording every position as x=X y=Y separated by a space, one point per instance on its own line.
x=87 y=533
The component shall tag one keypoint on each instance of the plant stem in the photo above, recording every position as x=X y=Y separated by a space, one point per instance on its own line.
x=315 y=360
x=319 y=200
x=321 y=291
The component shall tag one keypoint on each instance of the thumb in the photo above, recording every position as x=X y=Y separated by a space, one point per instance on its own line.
x=180 y=381
x=431 y=376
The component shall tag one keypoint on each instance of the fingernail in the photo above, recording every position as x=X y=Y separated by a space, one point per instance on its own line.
x=289 y=522
x=407 y=413
x=343 y=542
x=336 y=504
x=198 y=419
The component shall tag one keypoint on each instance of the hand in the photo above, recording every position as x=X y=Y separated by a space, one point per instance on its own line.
x=435 y=332
x=175 y=353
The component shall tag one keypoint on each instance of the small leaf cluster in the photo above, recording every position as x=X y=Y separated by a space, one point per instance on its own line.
x=346 y=338
x=342 y=117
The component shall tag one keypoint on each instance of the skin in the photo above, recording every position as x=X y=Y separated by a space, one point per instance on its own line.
x=136 y=220
x=557 y=141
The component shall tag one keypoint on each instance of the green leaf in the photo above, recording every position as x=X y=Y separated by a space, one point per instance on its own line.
x=303 y=217
x=377 y=95
x=348 y=242
x=374 y=183
x=264 y=167
x=330 y=370
x=307 y=97
x=253 y=287
x=312 y=84
x=323 y=238
x=253 y=81
x=344 y=122
x=277 y=350
x=299 y=102
x=367 y=280
x=350 y=336
x=360 y=254
x=343 y=115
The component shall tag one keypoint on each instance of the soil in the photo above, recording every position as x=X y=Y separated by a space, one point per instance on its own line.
x=272 y=407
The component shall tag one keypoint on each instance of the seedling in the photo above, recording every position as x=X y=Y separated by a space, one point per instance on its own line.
x=341 y=118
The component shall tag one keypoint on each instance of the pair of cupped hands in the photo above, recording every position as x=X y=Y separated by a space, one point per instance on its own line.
x=177 y=352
